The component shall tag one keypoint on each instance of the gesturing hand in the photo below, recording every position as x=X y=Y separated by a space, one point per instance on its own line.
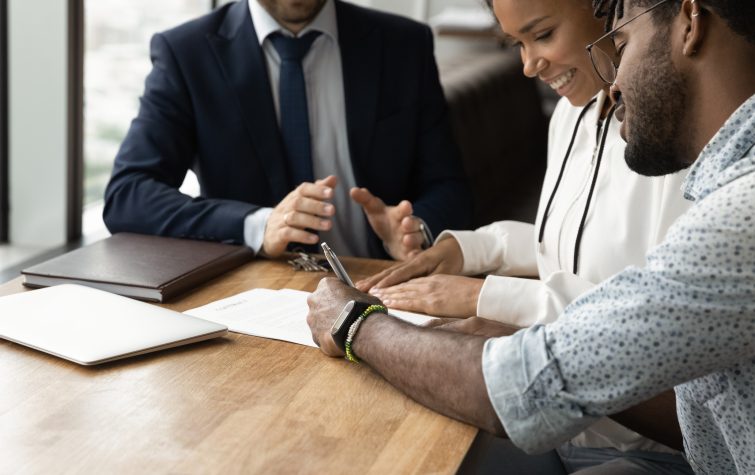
x=445 y=257
x=304 y=208
x=394 y=225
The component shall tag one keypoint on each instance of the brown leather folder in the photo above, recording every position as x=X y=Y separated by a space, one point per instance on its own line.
x=145 y=267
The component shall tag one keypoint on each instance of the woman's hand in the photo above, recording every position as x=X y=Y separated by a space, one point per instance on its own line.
x=439 y=295
x=445 y=257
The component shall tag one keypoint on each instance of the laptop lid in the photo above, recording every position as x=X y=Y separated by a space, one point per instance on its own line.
x=89 y=326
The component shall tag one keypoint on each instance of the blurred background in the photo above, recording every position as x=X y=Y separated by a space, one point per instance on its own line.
x=71 y=73
x=116 y=61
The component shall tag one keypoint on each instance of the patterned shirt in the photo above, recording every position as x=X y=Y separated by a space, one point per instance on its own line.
x=685 y=320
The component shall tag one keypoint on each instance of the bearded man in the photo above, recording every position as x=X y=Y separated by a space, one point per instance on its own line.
x=685 y=89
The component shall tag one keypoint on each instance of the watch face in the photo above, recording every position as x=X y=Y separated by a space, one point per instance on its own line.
x=339 y=321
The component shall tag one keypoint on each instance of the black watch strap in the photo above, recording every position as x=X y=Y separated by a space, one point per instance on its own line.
x=343 y=323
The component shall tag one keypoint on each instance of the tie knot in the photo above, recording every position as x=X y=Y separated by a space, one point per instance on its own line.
x=293 y=49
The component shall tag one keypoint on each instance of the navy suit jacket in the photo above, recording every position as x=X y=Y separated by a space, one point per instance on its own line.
x=208 y=106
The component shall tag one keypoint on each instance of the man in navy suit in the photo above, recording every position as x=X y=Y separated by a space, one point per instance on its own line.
x=292 y=113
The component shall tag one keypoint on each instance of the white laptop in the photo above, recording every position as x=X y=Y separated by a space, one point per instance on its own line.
x=89 y=326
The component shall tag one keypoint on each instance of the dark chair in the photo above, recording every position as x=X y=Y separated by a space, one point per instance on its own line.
x=498 y=122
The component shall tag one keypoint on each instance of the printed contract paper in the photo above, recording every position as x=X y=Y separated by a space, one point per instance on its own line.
x=277 y=314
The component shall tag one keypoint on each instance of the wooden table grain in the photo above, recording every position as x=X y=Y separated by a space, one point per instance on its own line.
x=239 y=404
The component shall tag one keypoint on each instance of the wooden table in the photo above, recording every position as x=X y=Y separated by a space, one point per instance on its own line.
x=239 y=404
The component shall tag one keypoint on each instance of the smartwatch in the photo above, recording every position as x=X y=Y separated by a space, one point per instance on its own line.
x=348 y=315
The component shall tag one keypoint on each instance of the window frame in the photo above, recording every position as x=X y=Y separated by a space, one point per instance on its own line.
x=4 y=170
x=75 y=132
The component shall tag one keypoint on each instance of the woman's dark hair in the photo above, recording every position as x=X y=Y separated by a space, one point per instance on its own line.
x=738 y=14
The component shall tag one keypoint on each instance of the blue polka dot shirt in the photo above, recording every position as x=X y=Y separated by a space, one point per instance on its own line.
x=686 y=320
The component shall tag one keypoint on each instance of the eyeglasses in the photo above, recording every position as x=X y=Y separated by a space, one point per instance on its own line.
x=606 y=65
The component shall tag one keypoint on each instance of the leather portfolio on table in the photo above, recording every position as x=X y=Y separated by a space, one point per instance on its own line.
x=146 y=267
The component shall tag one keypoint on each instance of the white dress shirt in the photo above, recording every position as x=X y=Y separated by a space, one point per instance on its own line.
x=327 y=125
x=629 y=214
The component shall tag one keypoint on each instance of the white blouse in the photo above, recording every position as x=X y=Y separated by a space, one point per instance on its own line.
x=628 y=214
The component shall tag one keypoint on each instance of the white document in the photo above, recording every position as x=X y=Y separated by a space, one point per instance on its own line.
x=277 y=314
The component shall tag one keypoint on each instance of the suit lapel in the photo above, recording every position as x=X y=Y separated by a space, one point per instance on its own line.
x=244 y=67
x=361 y=50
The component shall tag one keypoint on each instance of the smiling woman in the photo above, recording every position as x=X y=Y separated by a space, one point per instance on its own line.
x=551 y=41
x=595 y=217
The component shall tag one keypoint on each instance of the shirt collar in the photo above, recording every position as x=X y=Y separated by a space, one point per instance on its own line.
x=720 y=161
x=264 y=24
x=600 y=100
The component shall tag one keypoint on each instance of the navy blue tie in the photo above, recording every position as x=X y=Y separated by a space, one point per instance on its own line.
x=294 y=113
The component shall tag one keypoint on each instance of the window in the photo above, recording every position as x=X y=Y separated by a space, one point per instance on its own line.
x=116 y=62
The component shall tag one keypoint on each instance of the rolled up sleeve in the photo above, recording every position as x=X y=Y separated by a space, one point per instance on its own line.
x=528 y=393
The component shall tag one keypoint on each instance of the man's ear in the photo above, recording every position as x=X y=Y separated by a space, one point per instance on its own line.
x=692 y=15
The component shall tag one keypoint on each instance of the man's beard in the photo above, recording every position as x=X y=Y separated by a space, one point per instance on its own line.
x=305 y=14
x=658 y=143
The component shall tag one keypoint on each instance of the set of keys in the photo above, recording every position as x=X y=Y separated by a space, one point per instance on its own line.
x=308 y=263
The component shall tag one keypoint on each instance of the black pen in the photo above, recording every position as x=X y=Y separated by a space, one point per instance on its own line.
x=335 y=264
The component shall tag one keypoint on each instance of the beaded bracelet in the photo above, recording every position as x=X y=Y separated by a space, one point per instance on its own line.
x=355 y=326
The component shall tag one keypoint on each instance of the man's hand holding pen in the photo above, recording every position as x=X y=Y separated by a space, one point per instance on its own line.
x=325 y=304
